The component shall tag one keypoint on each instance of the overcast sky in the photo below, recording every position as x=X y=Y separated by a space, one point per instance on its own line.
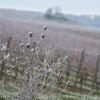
x=67 y=6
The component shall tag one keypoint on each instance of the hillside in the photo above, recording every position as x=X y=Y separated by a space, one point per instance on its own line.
x=47 y=59
x=67 y=36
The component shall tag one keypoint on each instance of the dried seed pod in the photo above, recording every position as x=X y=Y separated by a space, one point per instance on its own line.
x=12 y=66
x=45 y=27
x=66 y=58
x=43 y=36
x=37 y=50
x=50 y=70
x=6 y=57
x=30 y=34
x=8 y=72
x=27 y=45
x=13 y=60
x=68 y=82
x=17 y=58
x=32 y=50
x=21 y=45
x=25 y=37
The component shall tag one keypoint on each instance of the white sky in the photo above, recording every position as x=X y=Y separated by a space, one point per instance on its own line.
x=67 y=6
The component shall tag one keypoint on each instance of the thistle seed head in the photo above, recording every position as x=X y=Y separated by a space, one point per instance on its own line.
x=68 y=82
x=6 y=57
x=8 y=72
x=50 y=70
x=25 y=37
x=21 y=45
x=30 y=34
x=13 y=60
x=45 y=28
x=43 y=36
x=12 y=66
x=32 y=50
x=37 y=50
x=66 y=58
x=27 y=45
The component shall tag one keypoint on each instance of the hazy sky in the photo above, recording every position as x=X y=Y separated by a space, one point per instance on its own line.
x=67 y=6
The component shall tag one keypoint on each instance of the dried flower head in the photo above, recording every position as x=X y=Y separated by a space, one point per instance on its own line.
x=21 y=45
x=6 y=57
x=25 y=37
x=30 y=34
x=37 y=50
x=12 y=66
x=32 y=50
x=17 y=58
x=27 y=45
x=8 y=72
x=45 y=27
x=66 y=58
x=50 y=70
x=68 y=82
x=43 y=36
x=13 y=60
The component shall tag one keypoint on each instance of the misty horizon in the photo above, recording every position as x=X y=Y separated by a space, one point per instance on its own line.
x=15 y=9
x=78 y=7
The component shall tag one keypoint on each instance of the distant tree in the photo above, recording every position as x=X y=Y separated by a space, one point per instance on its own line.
x=55 y=13
x=57 y=10
x=48 y=12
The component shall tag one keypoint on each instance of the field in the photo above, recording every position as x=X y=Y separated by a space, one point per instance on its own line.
x=47 y=60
